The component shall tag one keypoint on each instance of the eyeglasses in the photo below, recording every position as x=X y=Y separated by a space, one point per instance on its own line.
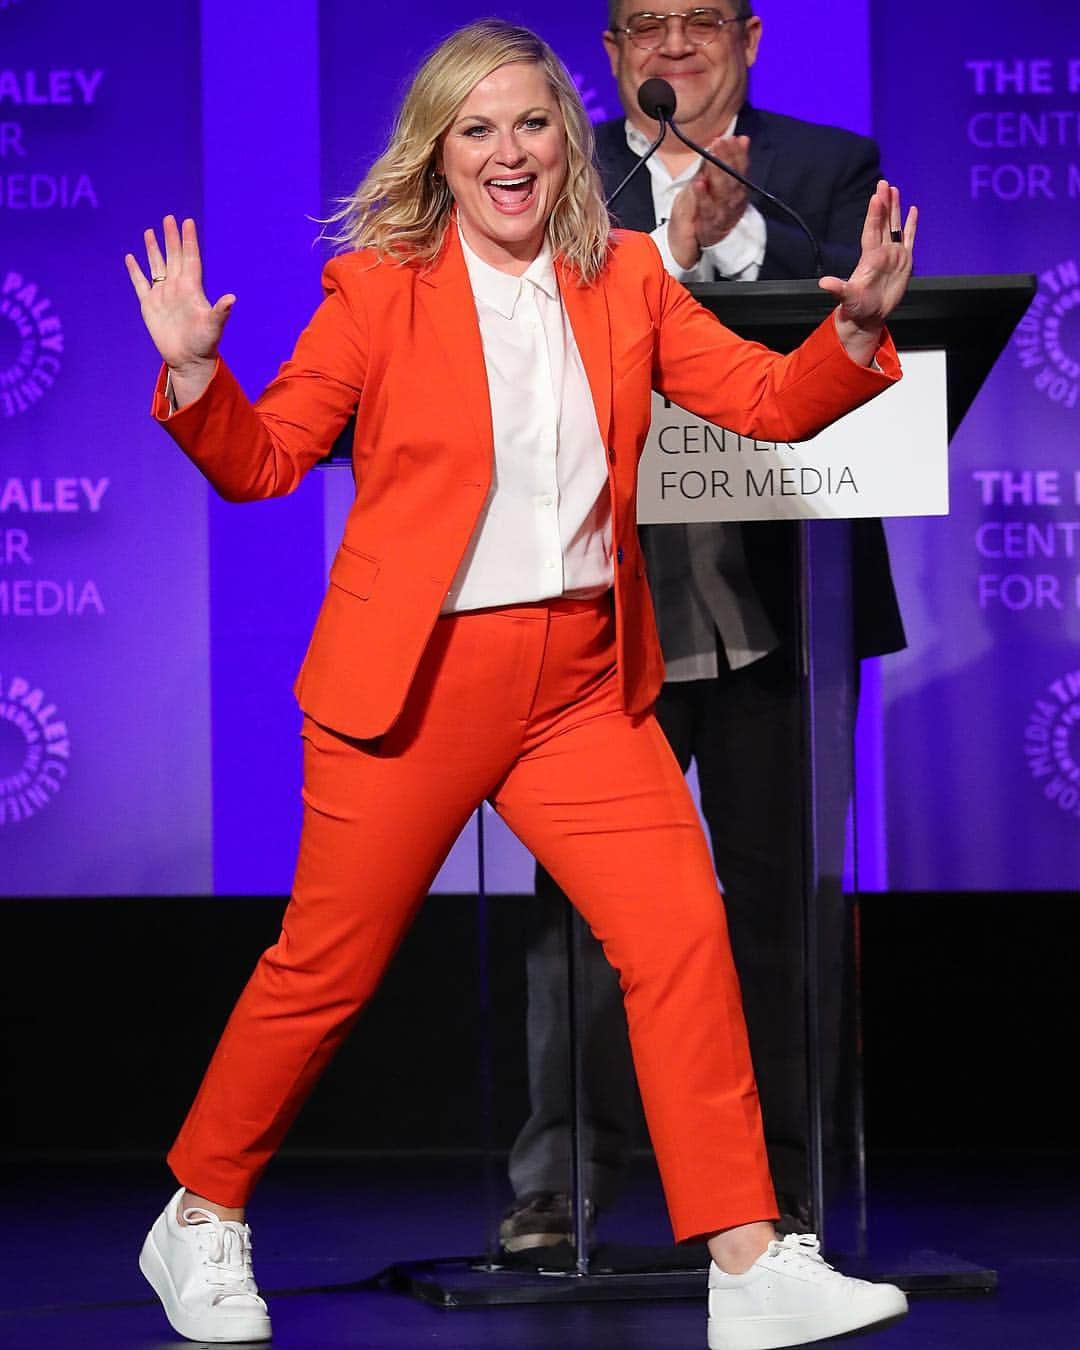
x=648 y=31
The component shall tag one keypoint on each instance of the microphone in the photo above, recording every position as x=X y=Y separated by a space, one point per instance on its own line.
x=656 y=98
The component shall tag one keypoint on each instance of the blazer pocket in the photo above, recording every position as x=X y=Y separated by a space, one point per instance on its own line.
x=354 y=572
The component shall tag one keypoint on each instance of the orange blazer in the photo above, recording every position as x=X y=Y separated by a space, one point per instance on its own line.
x=400 y=346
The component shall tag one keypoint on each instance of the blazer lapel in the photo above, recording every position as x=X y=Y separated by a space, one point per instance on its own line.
x=446 y=296
x=634 y=209
x=762 y=152
x=587 y=309
x=447 y=300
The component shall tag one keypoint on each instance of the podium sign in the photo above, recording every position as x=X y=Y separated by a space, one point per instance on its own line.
x=887 y=458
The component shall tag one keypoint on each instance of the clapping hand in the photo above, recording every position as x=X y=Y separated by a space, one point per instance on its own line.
x=880 y=278
x=711 y=204
x=183 y=324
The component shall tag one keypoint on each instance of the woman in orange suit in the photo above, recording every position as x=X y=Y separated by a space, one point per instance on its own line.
x=487 y=634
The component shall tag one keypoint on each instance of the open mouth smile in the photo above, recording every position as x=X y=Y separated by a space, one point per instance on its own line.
x=512 y=193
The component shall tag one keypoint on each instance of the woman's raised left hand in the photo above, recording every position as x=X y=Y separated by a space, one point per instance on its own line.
x=880 y=278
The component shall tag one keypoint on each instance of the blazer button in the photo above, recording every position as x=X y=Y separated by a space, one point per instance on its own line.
x=611 y=456
x=619 y=554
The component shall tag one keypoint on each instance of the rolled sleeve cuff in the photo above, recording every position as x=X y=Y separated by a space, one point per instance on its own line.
x=163 y=403
x=886 y=359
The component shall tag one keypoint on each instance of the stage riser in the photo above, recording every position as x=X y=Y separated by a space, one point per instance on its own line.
x=111 y=1007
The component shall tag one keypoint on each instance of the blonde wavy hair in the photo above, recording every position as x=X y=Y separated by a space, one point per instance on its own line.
x=402 y=207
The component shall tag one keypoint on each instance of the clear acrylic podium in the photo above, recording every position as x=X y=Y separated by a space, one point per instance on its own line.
x=970 y=318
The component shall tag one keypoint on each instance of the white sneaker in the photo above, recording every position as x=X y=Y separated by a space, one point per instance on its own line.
x=201 y=1271
x=790 y=1296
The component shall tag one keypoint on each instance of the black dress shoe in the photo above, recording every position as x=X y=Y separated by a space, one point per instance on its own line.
x=794 y=1215
x=541 y=1219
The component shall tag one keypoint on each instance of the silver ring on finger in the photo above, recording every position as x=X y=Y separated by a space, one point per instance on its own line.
x=154 y=280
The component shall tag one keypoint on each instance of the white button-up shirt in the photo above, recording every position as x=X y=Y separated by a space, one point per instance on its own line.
x=737 y=257
x=545 y=529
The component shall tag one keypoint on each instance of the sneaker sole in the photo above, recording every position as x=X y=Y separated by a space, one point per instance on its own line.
x=193 y=1327
x=775 y=1333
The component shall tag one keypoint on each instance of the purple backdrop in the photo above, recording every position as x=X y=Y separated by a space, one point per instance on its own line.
x=149 y=633
x=104 y=744
x=979 y=117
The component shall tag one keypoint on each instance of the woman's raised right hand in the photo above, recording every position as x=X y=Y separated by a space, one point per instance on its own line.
x=183 y=324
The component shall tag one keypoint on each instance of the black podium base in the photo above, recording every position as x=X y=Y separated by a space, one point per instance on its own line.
x=623 y=1273
x=922 y=1272
x=616 y=1272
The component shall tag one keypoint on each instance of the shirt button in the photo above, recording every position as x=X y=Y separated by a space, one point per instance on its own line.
x=545 y=501
x=619 y=554
x=550 y=562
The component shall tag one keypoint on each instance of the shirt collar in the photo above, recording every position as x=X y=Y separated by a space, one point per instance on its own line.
x=639 y=143
x=500 y=290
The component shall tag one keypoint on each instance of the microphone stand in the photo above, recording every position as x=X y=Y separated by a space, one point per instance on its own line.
x=644 y=158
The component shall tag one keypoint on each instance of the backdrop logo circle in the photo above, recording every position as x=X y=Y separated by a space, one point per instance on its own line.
x=1052 y=743
x=34 y=750
x=1048 y=336
x=31 y=344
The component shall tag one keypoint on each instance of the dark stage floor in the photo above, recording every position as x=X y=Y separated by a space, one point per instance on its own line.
x=72 y=1231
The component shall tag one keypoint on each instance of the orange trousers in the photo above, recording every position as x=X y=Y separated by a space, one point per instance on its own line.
x=519 y=706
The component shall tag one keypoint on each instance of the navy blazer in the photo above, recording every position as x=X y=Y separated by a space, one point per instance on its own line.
x=827 y=175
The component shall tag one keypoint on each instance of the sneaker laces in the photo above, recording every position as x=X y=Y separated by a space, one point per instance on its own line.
x=802 y=1250
x=226 y=1248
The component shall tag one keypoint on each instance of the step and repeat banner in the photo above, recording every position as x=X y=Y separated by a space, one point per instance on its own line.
x=978 y=113
x=139 y=753
x=104 y=727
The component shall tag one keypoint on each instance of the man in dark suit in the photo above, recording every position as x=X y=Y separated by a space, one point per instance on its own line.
x=724 y=597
